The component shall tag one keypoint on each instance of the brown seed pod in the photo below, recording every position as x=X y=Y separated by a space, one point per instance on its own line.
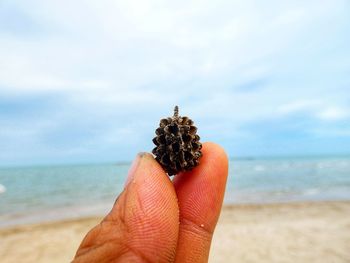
x=177 y=144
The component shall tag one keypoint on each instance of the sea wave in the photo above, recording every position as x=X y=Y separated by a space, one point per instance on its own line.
x=2 y=189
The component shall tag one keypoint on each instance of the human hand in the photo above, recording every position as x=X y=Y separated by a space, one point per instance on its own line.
x=157 y=220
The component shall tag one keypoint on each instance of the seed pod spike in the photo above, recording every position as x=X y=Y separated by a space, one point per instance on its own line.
x=176 y=112
x=177 y=144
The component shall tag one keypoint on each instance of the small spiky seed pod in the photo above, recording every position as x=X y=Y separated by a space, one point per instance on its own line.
x=177 y=144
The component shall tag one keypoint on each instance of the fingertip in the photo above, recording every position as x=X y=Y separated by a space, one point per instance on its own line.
x=216 y=148
x=214 y=155
x=214 y=163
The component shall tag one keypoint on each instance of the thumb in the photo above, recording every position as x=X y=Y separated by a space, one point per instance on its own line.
x=144 y=221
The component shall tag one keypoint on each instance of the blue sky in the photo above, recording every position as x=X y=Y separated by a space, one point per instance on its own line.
x=88 y=81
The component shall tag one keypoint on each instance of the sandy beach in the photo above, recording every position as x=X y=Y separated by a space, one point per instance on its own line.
x=296 y=232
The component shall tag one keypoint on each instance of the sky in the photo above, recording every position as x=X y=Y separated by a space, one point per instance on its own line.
x=88 y=81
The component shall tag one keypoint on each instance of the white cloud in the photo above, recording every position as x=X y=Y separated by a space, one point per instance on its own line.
x=300 y=106
x=319 y=109
x=132 y=43
x=333 y=114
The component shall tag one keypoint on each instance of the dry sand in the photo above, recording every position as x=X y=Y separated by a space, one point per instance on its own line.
x=300 y=232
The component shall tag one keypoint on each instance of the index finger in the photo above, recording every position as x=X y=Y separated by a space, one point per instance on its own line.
x=200 y=195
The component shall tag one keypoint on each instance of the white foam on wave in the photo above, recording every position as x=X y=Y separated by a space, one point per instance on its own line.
x=259 y=168
x=312 y=191
x=2 y=189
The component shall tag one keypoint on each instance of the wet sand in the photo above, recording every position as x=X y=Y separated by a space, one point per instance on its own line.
x=296 y=232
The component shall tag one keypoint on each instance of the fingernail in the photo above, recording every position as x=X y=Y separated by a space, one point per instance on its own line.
x=133 y=168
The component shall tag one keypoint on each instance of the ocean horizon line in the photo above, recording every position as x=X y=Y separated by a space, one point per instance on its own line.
x=231 y=158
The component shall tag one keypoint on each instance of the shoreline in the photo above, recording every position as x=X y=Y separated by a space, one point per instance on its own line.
x=276 y=232
x=72 y=213
x=100 y=212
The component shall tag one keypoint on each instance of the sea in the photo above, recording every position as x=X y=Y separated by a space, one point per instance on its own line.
x=46 y=193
